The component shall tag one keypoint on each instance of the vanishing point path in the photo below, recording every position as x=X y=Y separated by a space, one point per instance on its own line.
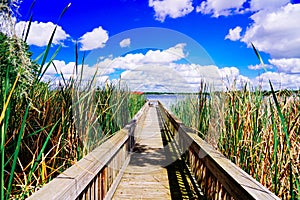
x=155 y=156
x=155 y=170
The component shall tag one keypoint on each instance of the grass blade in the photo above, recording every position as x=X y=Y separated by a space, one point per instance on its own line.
x=40 y=155
x=19 y=142
x=51 y=40
x=41 y=73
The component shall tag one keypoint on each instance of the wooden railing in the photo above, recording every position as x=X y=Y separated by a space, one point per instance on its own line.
x=96 y=175
x=217 y=177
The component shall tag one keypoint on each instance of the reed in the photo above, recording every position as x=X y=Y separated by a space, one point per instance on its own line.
x=46 y=129
x=257 y=130
x=42 y=135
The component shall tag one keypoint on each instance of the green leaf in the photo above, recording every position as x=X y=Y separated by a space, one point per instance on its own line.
x=19 y=142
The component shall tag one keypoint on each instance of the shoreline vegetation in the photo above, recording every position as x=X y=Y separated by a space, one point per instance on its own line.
x=265 y=92
x=257 y=130
x=44 y=130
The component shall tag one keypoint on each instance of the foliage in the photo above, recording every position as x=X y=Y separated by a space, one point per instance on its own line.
x=259 y=133
x=45 y=129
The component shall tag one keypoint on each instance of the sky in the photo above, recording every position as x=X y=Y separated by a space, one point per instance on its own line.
x=170 y=45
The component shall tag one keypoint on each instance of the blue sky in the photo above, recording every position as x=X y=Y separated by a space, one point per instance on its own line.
x=190 y=39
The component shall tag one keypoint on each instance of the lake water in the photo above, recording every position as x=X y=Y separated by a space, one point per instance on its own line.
x=167 y=99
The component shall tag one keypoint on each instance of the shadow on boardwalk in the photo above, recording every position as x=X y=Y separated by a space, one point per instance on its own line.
x=182 y=184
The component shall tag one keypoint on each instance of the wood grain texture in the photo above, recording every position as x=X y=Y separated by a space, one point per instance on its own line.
x=102 y=165
x=105 y=172
x=146 y=176
x=217 y=176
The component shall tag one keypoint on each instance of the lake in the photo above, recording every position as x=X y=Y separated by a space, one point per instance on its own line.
x=167 y=99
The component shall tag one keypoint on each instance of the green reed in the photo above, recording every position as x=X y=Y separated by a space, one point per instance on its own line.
x=46 y=129
x=256 y=130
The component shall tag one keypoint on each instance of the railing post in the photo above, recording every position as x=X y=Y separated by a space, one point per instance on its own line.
x=216 y=175
x=104 y=182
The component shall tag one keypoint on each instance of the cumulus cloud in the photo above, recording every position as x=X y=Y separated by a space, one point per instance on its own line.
x=94 y=39
x=158 y=70
x=234 y=34
x=145 y=72
x=276 y=32
x=279 y=81
x=287 y=65
x=155 y=77
x=231 y=78
x=62 y=67
x=40 y=33
x=125 y=43
x=169 y=55
x=256 y=5
x=260 y=66
x=131 y=61
x=68 y=70
x=171 y=8
x=173 y=77
x=229 y=72
x=218 y=8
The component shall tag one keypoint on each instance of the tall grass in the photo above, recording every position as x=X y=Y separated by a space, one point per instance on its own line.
x=258 y=131
x=45 y=129
x=51 y=136
x=43 y=137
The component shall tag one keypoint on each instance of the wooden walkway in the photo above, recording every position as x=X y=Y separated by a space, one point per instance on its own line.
x=145 y=176
x=156 y=170
x=155 y=156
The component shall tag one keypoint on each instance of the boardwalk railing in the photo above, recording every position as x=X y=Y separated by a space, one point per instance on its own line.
x=96 y=175
x=217 y=177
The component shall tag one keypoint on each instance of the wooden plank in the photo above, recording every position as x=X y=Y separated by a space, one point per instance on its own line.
x=237 y=183
x=146 y=177
x=116 y=182
x=73 y=181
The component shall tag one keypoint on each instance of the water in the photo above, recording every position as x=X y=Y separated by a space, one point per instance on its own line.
x=167 y=99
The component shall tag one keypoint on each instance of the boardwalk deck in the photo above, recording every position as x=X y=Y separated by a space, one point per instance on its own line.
x=146 y=176
x=168 y=161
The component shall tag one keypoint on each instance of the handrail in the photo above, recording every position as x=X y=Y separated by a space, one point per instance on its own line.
x=97 y=175
x=217 y=176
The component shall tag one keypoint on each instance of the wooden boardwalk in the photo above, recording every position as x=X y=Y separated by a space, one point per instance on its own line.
x=155 y=156
x=145 y=176
x=156 y=170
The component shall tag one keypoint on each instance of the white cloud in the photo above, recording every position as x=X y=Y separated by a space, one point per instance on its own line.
x=229 y=72
x=287 y=65
x=277 y=32
x=278 y=80
x=125 y=43
x=232 y=79
x=234 y=34
x=94 y=39
x=132 y=61
x=144 y=73
x=158 y=70
x=220 y=7
x=171 y=8
x=260 y=66
x=68 y=70
x=256 y=5
x=169 y=55
x=40 y=33
x=61 y=66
